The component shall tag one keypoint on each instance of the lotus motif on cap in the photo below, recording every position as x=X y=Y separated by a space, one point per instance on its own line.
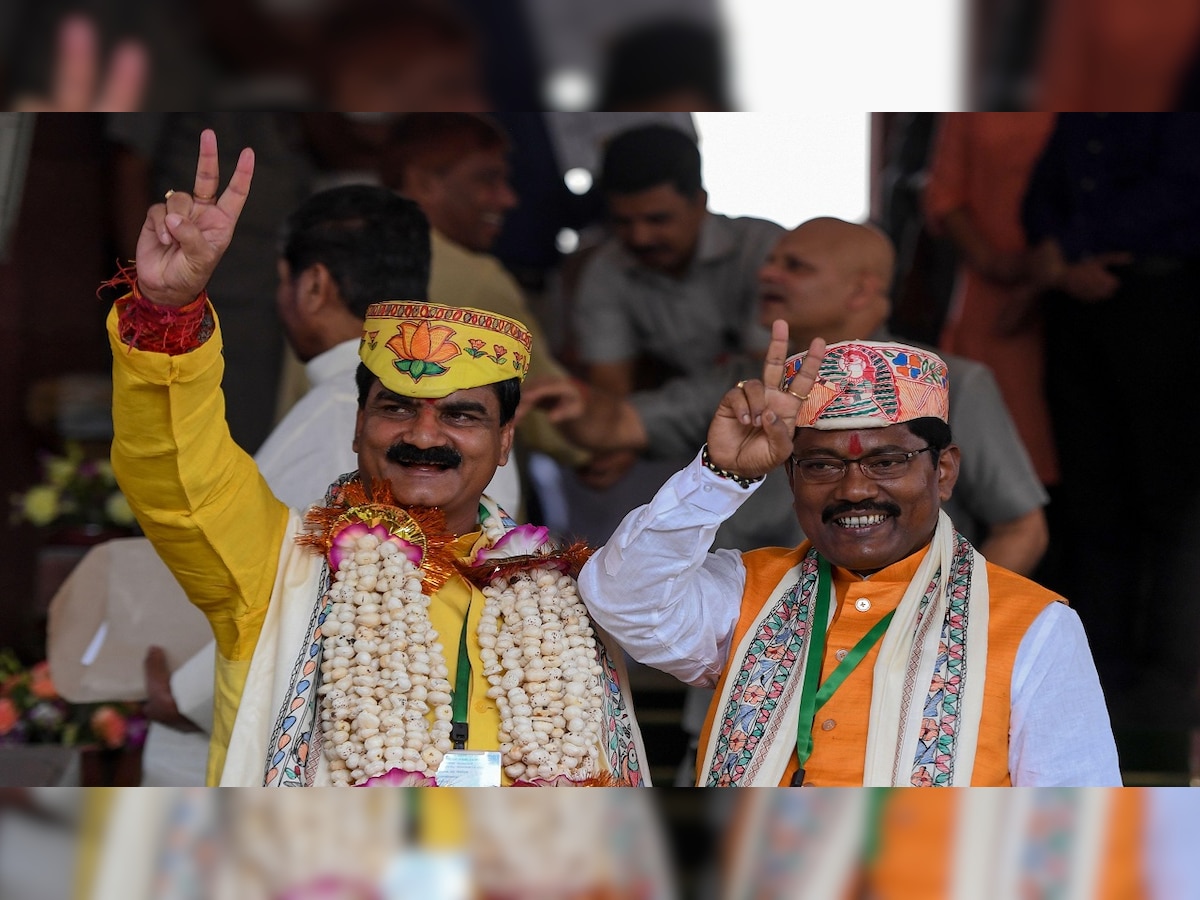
x=423 y=349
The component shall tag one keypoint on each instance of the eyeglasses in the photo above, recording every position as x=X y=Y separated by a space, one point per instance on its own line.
x=876 y=466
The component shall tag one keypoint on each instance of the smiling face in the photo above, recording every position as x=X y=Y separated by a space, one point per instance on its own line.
x=434 y=452
x=467 y=201
x=862 y=524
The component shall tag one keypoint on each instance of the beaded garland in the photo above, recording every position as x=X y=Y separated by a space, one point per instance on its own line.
x=385 y=693
x=540 y=658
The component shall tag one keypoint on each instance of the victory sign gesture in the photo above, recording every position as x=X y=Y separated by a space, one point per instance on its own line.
x=185 y=237
x=751 y=432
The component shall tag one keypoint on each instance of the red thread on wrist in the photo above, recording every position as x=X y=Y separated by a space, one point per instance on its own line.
x=157 y=328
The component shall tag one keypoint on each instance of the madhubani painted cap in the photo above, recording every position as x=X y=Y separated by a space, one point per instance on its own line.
x=872 y=384
x=423 y=349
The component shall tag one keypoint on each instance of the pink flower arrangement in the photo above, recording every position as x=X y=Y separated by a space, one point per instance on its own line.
x=343 y=543
x=524 y=540
x=110 y=726
x=41 y=685
x=32 y=712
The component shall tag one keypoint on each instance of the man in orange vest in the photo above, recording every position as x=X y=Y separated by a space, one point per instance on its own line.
x=884 y=649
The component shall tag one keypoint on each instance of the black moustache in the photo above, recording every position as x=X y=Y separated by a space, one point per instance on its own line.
x=408 y=455
x=840 y=509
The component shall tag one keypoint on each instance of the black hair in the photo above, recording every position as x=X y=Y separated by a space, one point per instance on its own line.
x=654 y=60
x=932 y=431
x=650 y=155
x=508 y=392
x=374 y=243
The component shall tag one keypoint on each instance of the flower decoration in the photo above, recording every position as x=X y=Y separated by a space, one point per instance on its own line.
x=346 y=538
x=400 y=778
x=423 y=349
x=418 y=532
x=517 y=550
x=524 y=540
x=75 y=490
x=32 y=712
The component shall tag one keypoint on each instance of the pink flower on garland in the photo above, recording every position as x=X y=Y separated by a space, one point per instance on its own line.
x=343 y=543
x=400 y=778
x=524 y=540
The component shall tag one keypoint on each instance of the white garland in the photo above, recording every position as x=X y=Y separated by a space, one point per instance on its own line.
x=384 y=671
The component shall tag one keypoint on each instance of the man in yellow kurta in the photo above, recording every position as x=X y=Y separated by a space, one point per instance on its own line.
x=407 y=632
x=884 y=650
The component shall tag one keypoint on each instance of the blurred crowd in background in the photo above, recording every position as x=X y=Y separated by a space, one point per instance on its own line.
x=571 y=55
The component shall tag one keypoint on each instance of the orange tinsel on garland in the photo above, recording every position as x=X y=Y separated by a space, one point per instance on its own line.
x=423 y=527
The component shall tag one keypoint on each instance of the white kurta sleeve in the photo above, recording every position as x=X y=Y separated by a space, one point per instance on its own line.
x=1061 y=733
x=658 y=591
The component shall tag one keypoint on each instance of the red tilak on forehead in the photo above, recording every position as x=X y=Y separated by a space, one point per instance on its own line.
x=855 y=444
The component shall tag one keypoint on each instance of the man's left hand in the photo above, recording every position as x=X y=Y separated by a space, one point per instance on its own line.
x=752 y=430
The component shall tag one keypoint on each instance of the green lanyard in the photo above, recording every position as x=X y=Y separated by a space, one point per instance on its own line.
x=877 y=800
x=462 y=687
x=813 y=694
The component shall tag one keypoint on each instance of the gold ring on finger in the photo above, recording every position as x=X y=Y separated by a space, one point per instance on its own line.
x=167 y=195
x=740 y=384
x=797 y=396
x=204 y=198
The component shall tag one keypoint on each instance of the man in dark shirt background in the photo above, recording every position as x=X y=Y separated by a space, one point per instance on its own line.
x=1113 y=209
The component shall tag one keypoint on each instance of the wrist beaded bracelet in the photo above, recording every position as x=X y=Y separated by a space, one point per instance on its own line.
x=739 y=480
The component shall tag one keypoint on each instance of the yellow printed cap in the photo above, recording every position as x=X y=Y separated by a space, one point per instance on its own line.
x=421 y=349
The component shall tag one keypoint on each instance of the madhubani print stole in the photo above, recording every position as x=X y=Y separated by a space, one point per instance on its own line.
x=621 y=737
x=937 y=742
x=295 y=746
x=756 y=727
x=799 y=843
x=769 y=680
x=1048 y=842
